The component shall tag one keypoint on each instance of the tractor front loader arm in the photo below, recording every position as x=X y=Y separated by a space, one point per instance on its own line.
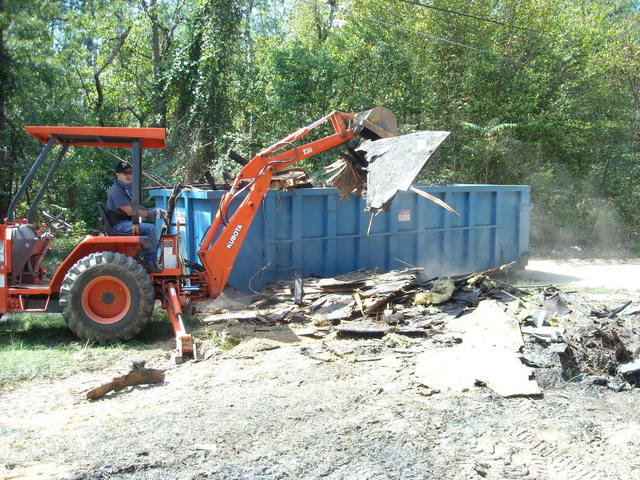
x=219 y=254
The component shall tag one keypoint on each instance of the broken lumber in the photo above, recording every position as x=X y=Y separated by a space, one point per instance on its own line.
x=387 y=286
x=435 y=200
x=377 y=330
x=575 y=304
x=291 y=178
x=277 y=314
x=619 y=309
x=549 y=334
x=337 y=306
x=134 y=377
x=630 y=367
x=321 y=356
x=335 y=286
x=349 y=179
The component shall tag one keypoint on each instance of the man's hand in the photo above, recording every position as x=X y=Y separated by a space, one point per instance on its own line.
x=149 y=212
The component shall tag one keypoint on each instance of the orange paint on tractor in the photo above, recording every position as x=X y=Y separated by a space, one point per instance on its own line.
x=218 y=259
x=106 y=300
x=100 y=136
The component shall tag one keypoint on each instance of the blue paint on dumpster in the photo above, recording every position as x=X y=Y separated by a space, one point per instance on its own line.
x=312 y=232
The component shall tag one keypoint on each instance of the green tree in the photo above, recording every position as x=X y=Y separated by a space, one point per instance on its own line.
x=495 y=144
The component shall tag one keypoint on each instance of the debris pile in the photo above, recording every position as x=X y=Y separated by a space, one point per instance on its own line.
x=290 y=178
x=481 y=329
x=586 y=340
x=360 y=303
x=599 y=348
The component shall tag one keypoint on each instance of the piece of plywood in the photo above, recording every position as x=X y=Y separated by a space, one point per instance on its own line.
x=488 y=326
x=395 y=162
x=488 y=354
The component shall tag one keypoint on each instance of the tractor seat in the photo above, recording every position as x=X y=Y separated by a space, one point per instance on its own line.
x=106 y=224
x=27 y=252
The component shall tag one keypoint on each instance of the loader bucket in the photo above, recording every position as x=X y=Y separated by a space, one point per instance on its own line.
x=384 y=163
x=376 y=123
x=394 y=163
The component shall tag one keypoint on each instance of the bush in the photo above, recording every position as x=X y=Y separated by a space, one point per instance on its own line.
x=569 y=211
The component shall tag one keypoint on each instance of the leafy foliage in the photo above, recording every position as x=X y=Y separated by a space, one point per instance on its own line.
x=545 y=92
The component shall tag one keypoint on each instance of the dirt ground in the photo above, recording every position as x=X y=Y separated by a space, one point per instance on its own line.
x=611 y=274
x=258 y=412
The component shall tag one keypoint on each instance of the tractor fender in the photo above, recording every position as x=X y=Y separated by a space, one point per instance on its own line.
x=127 y=245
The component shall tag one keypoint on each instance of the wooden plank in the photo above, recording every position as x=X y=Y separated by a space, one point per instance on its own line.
x=358 y=328
x=383 y=294
x=224 y=317
x=333 y=285
x=435 y=200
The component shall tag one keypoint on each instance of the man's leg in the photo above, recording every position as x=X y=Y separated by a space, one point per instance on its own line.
x=149 y=231
x=123 y=226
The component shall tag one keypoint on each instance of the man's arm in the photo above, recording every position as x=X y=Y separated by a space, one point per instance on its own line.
x=118 y=199
x=144 y=212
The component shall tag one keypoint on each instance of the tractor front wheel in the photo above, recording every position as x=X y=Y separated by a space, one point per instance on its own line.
x=106 y=297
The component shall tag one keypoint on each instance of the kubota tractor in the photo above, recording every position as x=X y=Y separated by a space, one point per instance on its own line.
x=103 y=292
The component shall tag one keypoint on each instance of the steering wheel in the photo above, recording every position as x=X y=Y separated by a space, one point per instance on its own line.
x=55 y=223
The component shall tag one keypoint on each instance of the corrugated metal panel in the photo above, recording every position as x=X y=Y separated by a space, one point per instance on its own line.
x=311 y=231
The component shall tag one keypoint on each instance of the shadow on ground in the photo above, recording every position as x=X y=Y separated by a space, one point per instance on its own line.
x=35 y=330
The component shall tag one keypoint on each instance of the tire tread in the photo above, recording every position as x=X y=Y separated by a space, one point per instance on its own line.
x=94 y=264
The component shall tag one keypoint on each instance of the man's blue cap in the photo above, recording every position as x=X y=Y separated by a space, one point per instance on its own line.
x=123 y=167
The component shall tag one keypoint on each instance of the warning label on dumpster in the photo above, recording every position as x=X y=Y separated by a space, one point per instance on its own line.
x=404 y=215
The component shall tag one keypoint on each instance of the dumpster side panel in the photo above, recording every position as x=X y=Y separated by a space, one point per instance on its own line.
x=312 y=232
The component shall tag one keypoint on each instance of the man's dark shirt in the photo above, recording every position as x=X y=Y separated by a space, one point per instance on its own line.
x=119 y=195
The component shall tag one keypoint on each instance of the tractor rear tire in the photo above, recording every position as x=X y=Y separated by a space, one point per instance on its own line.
x=106 y=297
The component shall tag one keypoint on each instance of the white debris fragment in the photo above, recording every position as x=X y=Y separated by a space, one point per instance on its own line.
x=440 y=292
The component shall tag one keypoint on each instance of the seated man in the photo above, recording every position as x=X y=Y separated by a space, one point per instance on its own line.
x=120 y=211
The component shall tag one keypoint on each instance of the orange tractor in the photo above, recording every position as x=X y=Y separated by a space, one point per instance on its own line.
x=102 y=290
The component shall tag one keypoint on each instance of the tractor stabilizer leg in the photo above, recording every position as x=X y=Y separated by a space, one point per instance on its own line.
x=185 y=346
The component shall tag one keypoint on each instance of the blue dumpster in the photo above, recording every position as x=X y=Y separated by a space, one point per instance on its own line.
x=312 y=232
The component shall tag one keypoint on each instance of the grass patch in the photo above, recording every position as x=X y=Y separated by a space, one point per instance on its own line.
x=220 y=338
x=38 y=347
x=600 y=291
x=41 y=347
x=21 y=363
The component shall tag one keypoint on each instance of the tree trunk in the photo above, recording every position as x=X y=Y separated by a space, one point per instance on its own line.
x=159 y=103
x=250 y=64
x=5 y=184
x=120 y=39
x=134 y=377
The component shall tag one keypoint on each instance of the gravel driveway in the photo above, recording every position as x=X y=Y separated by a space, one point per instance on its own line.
x=273 y=413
